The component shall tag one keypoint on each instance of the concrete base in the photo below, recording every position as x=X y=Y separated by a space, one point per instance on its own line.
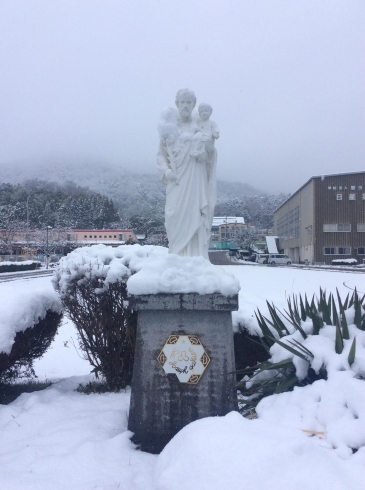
x=159 y=409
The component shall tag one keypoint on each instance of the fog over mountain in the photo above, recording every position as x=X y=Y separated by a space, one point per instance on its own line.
x=110 y=180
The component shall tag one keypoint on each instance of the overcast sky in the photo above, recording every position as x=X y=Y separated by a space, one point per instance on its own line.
x=88 y=79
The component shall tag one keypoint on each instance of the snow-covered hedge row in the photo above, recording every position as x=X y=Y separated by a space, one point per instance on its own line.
x=344 y=262
x=22 y=308
x=26 y=265
x=154 y=271
x=29 y=319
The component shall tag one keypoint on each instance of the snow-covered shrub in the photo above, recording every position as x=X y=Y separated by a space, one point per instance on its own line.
x=27 y=328
x=307 y=343
x=93 y=283
x=344 y=262
x=248 y=350
x=26 y=265
x=92 y=286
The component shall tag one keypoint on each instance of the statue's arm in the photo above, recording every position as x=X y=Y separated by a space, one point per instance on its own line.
x=163 y=163
x=215 y=130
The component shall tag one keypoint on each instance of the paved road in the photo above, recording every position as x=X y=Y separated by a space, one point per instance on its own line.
x=220 y=258
x=14 y=276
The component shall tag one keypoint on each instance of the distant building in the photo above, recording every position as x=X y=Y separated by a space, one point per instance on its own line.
x=324 y=219
x=224 y=228
x=107 y=237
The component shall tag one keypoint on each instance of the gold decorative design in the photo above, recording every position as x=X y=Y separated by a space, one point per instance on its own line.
x=194 y=379
x=183 y=359
x=162 y=358
x=205 y=360
x=172 y=339
x=194 y=340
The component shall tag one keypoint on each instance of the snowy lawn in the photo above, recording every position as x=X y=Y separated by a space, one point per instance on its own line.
x=61 y=439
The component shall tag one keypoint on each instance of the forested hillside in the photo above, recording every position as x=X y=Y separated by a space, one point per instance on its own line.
x=91 y=195
x=51 y=204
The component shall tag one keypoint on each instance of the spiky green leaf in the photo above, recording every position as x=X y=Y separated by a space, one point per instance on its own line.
x=334 y=312
x=296 y=352
x=286 y=384
x=303 y=313
x=264 y=328
x=339 y=340
x=352 y=353
x=345 y=328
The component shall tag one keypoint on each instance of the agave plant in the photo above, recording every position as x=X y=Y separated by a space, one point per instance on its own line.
x=268 y=378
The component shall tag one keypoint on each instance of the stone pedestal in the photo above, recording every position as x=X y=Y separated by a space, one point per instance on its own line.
x=161 y=404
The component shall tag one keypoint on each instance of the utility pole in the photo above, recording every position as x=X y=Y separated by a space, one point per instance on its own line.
x=47 y=247
x=27 y=237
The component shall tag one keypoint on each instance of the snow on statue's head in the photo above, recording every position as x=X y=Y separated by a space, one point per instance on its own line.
x=185 y=101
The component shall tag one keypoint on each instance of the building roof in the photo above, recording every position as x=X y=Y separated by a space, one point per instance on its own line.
x=222 y=220
x=317 y=177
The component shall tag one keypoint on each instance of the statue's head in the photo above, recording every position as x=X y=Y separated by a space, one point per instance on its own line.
x=185 y=102
x=205 y=111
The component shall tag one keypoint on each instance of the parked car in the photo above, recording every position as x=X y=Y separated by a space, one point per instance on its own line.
x=262 y=258
x=244 y=255
x=274 y=259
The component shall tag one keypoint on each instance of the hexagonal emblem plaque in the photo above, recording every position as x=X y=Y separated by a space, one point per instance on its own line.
x=183 y=358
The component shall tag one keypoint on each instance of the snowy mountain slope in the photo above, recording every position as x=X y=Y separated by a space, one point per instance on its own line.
x=117 y=183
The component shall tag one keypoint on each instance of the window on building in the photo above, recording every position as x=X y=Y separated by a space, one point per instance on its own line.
x=95 y=236
x=288 y=225
x=353 y=188
x=334 y=227
x=339 y=197
x=90 y=236
x=359 y=187
x=352 y=197
x=360 y=250
x=334 y=187
x=361 y=227
x=363 y=197
x=329 y=251
x=85 y=236
x=115 y=236
x=344 y=250
x=337 y=251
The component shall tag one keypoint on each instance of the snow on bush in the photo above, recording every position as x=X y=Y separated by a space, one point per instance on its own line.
x=344 y=262
x=321 y=348
x=23 y=308
x=154 y=270
x=25 y=265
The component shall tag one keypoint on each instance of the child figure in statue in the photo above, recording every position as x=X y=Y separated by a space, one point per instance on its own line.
x=207 y=131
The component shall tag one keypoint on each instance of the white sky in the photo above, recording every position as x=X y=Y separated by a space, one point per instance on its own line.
x=88 y=79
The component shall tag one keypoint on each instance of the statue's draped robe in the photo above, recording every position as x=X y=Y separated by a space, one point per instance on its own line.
x=191 y=199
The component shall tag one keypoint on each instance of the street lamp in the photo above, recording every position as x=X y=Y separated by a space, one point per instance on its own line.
x=27 y=237
x=47 y=248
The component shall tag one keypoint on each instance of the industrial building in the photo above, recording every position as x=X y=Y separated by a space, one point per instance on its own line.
x=324 y=220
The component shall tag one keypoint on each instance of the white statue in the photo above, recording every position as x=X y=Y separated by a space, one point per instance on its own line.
x=187 y=162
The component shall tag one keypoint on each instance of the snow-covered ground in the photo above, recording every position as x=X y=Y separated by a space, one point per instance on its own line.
x=62 y=439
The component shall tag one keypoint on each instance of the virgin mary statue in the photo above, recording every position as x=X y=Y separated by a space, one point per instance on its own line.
x=187 y=162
